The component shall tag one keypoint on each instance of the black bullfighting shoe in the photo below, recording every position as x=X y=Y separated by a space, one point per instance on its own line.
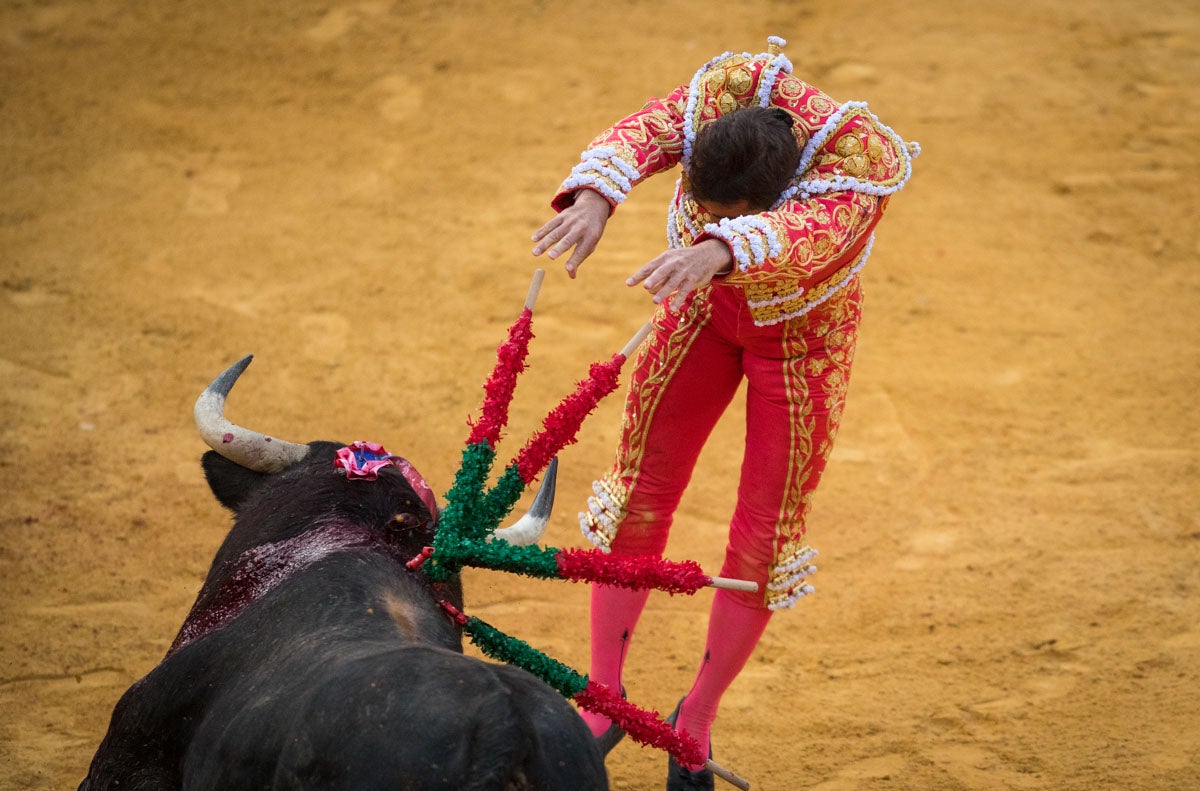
x=608 y=740
x=680 y=778
x=615 y=733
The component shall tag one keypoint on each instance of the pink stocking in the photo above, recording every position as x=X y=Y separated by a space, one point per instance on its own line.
x=733 y=631
x=615 y=613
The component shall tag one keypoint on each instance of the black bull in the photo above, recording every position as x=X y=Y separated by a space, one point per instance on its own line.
x=313 y=657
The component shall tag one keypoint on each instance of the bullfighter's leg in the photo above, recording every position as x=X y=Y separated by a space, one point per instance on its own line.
x=795 y=396
x=685 y=376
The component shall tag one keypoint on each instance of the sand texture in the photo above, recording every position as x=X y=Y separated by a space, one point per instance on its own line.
x=1009 y=530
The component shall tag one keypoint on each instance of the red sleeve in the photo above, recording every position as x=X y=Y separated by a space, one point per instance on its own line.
x=631 y=150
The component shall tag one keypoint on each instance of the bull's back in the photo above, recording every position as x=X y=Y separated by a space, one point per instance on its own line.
x=413 y=717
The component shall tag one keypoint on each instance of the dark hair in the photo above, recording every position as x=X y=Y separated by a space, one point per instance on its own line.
x=747 y=155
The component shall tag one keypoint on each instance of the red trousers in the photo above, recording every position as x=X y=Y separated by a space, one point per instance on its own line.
x=685 y=375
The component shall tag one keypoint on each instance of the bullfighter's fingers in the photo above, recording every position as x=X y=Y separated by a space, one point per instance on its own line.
x=660 y=270
x=644 y=272
x=565 y=241
x=674 y=282
x=664 y=280
x=542 y=232
x=553 y=239
x=585 y=248
x=681 y=295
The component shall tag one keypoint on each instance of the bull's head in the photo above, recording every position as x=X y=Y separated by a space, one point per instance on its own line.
x=267 y=455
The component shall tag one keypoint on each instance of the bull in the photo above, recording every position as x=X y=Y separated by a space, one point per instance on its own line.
x=316 y=657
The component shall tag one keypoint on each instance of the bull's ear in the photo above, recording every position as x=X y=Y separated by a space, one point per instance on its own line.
x=230 y=482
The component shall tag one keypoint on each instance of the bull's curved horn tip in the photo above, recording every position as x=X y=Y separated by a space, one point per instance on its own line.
x=227 y=378
x=529 y=528
x=543 y=502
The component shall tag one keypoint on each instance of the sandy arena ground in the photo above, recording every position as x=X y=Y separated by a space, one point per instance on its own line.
x=1009 y=532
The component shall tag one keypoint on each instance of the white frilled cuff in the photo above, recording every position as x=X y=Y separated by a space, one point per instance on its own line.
x=750 y=237
x=603 y=170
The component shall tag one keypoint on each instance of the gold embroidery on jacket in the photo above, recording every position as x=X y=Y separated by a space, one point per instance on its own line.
x=776 y=293
x=863 y=151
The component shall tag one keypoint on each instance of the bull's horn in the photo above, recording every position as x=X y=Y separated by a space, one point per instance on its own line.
x=242 y=446
x=529 y=528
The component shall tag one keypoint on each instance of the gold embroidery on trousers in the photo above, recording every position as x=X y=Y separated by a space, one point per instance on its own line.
x=828 y=366
x=655 y=364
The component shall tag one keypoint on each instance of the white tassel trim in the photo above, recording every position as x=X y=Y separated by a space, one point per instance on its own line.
x=786 y=583
x=790 y=601
x=806 y=554
x=783 y=588
x=600 y=522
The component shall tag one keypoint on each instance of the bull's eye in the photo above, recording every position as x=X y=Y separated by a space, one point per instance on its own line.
x=406 y=521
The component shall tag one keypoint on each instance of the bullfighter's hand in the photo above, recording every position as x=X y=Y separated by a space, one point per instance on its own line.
x=683 y=270
x=580 y=225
